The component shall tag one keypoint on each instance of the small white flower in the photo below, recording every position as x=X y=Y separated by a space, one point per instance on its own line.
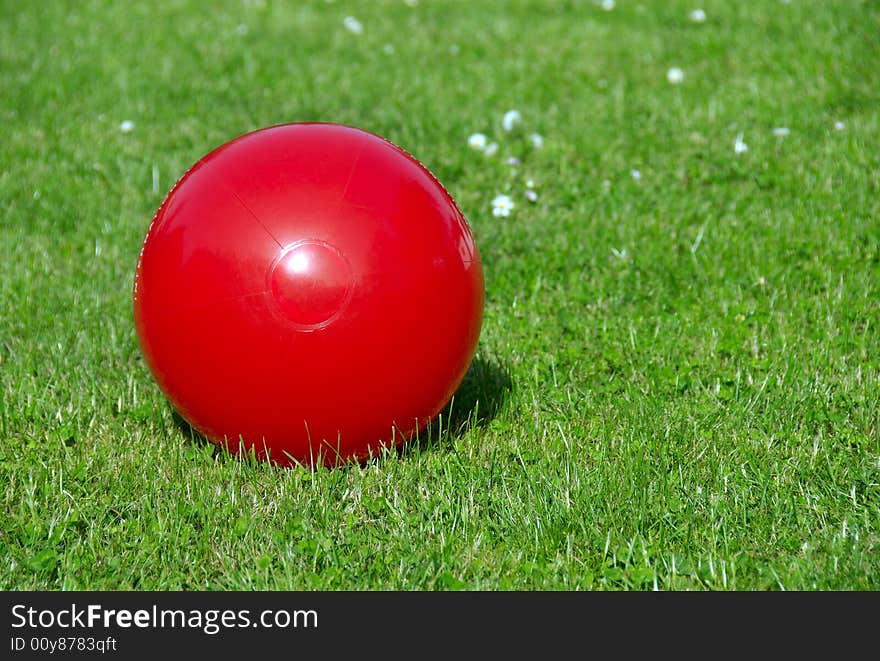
x=353 y=25
x=761 y=281
x=511 y=119
x=607 y=5
x=530 y=183
x=698 y=16
x=242 y=29
x=839 y=126
x=513 y=160
x=502 y=205
x=491 y=149
x=531 y=195
x=127 y=126
x=675 y=75
x=781 y=131
x=739 y=146
x=635 y=174
x=537 y=140
x=478 y=141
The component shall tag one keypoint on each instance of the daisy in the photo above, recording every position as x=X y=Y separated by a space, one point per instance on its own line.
x=353 y=25
x=491 y=149
x=478 y=141
x=537 y=140
x=531 y=195
x=698 y=16
x=675 y=75
x=781 y=131
x=502 y=205
x=607 y=5
x=511 y=119
x=839 y=126
x=635 y=174
x=739 y=146
x=127 y=126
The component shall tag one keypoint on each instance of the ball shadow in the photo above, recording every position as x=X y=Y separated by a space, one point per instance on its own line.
x=193 y=435
x=477 y=401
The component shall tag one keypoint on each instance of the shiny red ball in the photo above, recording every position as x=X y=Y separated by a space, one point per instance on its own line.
x=308 y=292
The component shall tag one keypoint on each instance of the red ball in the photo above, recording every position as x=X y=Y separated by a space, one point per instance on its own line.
x=308 y=292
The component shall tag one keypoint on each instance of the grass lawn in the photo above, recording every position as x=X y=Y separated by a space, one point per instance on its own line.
x=678 y=376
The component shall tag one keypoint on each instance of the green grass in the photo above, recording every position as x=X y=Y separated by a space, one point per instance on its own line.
x=678 y=376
